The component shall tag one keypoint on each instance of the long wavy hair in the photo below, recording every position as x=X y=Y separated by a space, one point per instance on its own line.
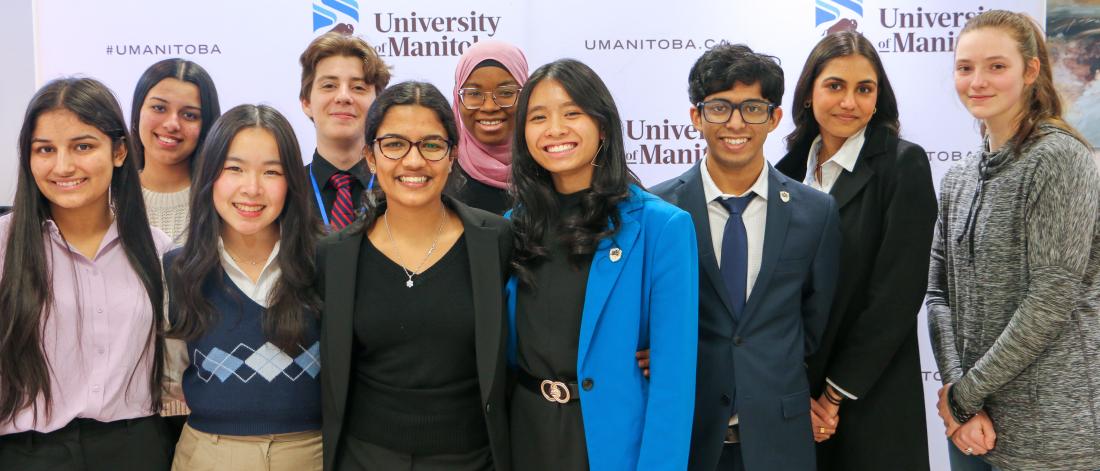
x=536 y=209
x=292 y=301
x=26 y=293
x=839 y=44
x=183 y=70
x=1042 y=104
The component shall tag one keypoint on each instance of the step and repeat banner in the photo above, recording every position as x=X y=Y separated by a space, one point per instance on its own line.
x=642 y=49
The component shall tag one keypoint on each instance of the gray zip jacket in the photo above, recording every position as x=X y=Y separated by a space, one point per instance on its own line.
x=1014 y=299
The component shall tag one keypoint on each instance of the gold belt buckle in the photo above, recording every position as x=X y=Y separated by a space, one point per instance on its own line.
x=555 y=391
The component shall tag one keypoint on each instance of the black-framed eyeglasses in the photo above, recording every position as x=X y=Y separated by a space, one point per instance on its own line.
x=433 y=148
x=719 y=111
x=504 y=96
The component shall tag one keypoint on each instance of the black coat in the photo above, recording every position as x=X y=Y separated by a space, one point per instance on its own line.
x=489 y=247
x=887 y=215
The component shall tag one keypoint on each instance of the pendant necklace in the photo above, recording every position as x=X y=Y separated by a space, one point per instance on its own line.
x=431 y=250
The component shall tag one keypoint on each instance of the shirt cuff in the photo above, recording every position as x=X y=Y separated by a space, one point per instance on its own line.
x=840 y=390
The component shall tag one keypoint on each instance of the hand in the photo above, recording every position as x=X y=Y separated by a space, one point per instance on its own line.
x=976 y=435
x=949 y=423
x=643 y=361
x=824 y=422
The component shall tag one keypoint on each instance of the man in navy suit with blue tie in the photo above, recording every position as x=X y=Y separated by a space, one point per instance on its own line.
x=768 y=253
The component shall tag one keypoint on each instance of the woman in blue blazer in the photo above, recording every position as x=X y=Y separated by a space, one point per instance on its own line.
x=602 y=270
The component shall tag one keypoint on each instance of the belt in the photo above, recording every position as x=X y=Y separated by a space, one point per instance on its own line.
x=561 y=392
x=733 y=434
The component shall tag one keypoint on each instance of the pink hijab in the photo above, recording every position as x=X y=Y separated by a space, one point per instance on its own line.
x=488 y=164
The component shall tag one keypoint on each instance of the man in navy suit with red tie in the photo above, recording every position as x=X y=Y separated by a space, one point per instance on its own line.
x=769 y=249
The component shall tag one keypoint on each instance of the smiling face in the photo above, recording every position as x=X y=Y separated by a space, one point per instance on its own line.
x=250 y=192
x=489 y=124
x=991 y=75
x=72 y=162
x=735 y=146
x=844 y=98
x=171 y=122
x=412 y=181
x=339 y=99
x=561 y=137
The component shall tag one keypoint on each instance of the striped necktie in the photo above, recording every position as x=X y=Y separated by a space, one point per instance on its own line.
x=343 y=211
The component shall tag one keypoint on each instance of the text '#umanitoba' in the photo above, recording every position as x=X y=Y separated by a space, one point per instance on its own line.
x=163 y=49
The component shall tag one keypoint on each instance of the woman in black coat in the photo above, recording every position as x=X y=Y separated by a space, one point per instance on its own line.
x=869 y=412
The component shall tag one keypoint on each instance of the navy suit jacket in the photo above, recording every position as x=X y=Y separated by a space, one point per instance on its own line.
x=784 y=317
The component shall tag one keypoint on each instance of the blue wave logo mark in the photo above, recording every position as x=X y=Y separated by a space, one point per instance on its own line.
x=840 y=13
x=327 y=13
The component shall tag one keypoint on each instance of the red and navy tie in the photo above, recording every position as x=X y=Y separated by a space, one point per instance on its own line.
x=343 y=211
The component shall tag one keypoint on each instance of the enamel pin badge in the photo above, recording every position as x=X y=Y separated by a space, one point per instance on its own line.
x=783 y=195
x=615 y=254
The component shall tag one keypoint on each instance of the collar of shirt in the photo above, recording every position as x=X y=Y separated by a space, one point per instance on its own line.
x=260 y=290
x=109 y=238
x=323 y=170
x=712 y=193
x=845 y=158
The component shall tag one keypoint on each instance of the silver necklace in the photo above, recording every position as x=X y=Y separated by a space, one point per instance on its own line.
x=431 y=250
x=239 y=261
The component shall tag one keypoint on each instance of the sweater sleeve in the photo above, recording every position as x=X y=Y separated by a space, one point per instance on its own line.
x=1060 y=219
x=941 y=329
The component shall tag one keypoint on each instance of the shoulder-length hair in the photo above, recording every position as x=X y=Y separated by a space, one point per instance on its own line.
x=536 y=209
x=839 y=44
x=183 y=70
x=292 y=300
x=26 y=293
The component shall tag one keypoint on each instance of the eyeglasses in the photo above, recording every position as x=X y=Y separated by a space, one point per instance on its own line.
x=504 y=96
x=719 y=111
x=432 y=148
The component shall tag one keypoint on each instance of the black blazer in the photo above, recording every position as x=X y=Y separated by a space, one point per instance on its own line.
x=887 y=215
x=489 y=244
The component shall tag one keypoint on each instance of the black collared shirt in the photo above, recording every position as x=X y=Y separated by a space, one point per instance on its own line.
x=322 y=170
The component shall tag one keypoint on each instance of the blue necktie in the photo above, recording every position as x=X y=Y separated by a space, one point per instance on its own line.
x=735 y=252
x=735 y=262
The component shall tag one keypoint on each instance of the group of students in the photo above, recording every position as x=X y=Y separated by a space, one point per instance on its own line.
x=727 y=319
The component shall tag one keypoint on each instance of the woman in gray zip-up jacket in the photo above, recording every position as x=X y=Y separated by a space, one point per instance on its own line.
x=1014 y=291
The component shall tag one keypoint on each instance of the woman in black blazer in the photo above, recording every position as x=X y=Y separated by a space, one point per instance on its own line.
x=413 y=329
x=869 y=412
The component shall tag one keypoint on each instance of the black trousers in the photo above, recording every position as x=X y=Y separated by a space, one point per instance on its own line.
x=139 y=444
x=359 y=455
x=731 y=458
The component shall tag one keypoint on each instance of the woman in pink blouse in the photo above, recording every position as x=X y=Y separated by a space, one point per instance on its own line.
x=80 y=294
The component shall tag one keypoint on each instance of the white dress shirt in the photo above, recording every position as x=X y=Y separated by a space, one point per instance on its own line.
x=844 y=159
x=260 y=290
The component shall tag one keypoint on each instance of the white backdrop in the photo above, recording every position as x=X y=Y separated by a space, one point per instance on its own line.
x=642 y=49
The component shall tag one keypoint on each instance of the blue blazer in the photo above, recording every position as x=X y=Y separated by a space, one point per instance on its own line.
x=785 y=315
x=646 y=299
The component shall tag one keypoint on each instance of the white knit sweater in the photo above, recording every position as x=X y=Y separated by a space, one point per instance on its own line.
x=169 y=212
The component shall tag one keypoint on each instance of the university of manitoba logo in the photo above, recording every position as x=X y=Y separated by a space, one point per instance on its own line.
x=832 y=16
x=335 y=15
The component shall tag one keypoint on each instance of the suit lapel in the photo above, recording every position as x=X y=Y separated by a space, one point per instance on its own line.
x=694 y=202
x=484 y=256
x=775 y=236
x=603 y=275
x=340 y=293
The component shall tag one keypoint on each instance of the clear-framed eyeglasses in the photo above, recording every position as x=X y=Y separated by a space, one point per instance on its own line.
x=719 y=111
x=504 y=96
x=433 y=148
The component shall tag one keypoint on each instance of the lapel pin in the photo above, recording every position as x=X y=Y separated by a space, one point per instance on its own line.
x=783 y=195
x=616 y=254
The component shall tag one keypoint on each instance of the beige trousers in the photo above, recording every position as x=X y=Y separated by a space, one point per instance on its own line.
x=200 y=451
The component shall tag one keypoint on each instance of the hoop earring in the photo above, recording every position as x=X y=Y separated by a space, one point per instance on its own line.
x=598 y=149
x=807 y=104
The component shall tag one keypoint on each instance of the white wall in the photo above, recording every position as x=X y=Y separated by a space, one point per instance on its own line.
x=16 y=85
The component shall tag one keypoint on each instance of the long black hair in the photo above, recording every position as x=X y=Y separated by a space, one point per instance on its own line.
x=183 y=70
x=839 y=44
x=536 y=208
x=292 y=300
x=404 y=94
x=26 y=294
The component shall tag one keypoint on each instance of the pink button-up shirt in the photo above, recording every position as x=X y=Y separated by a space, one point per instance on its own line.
x=96 y=336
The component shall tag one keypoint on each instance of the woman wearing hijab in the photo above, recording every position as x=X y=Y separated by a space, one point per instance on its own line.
x=488 y=80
